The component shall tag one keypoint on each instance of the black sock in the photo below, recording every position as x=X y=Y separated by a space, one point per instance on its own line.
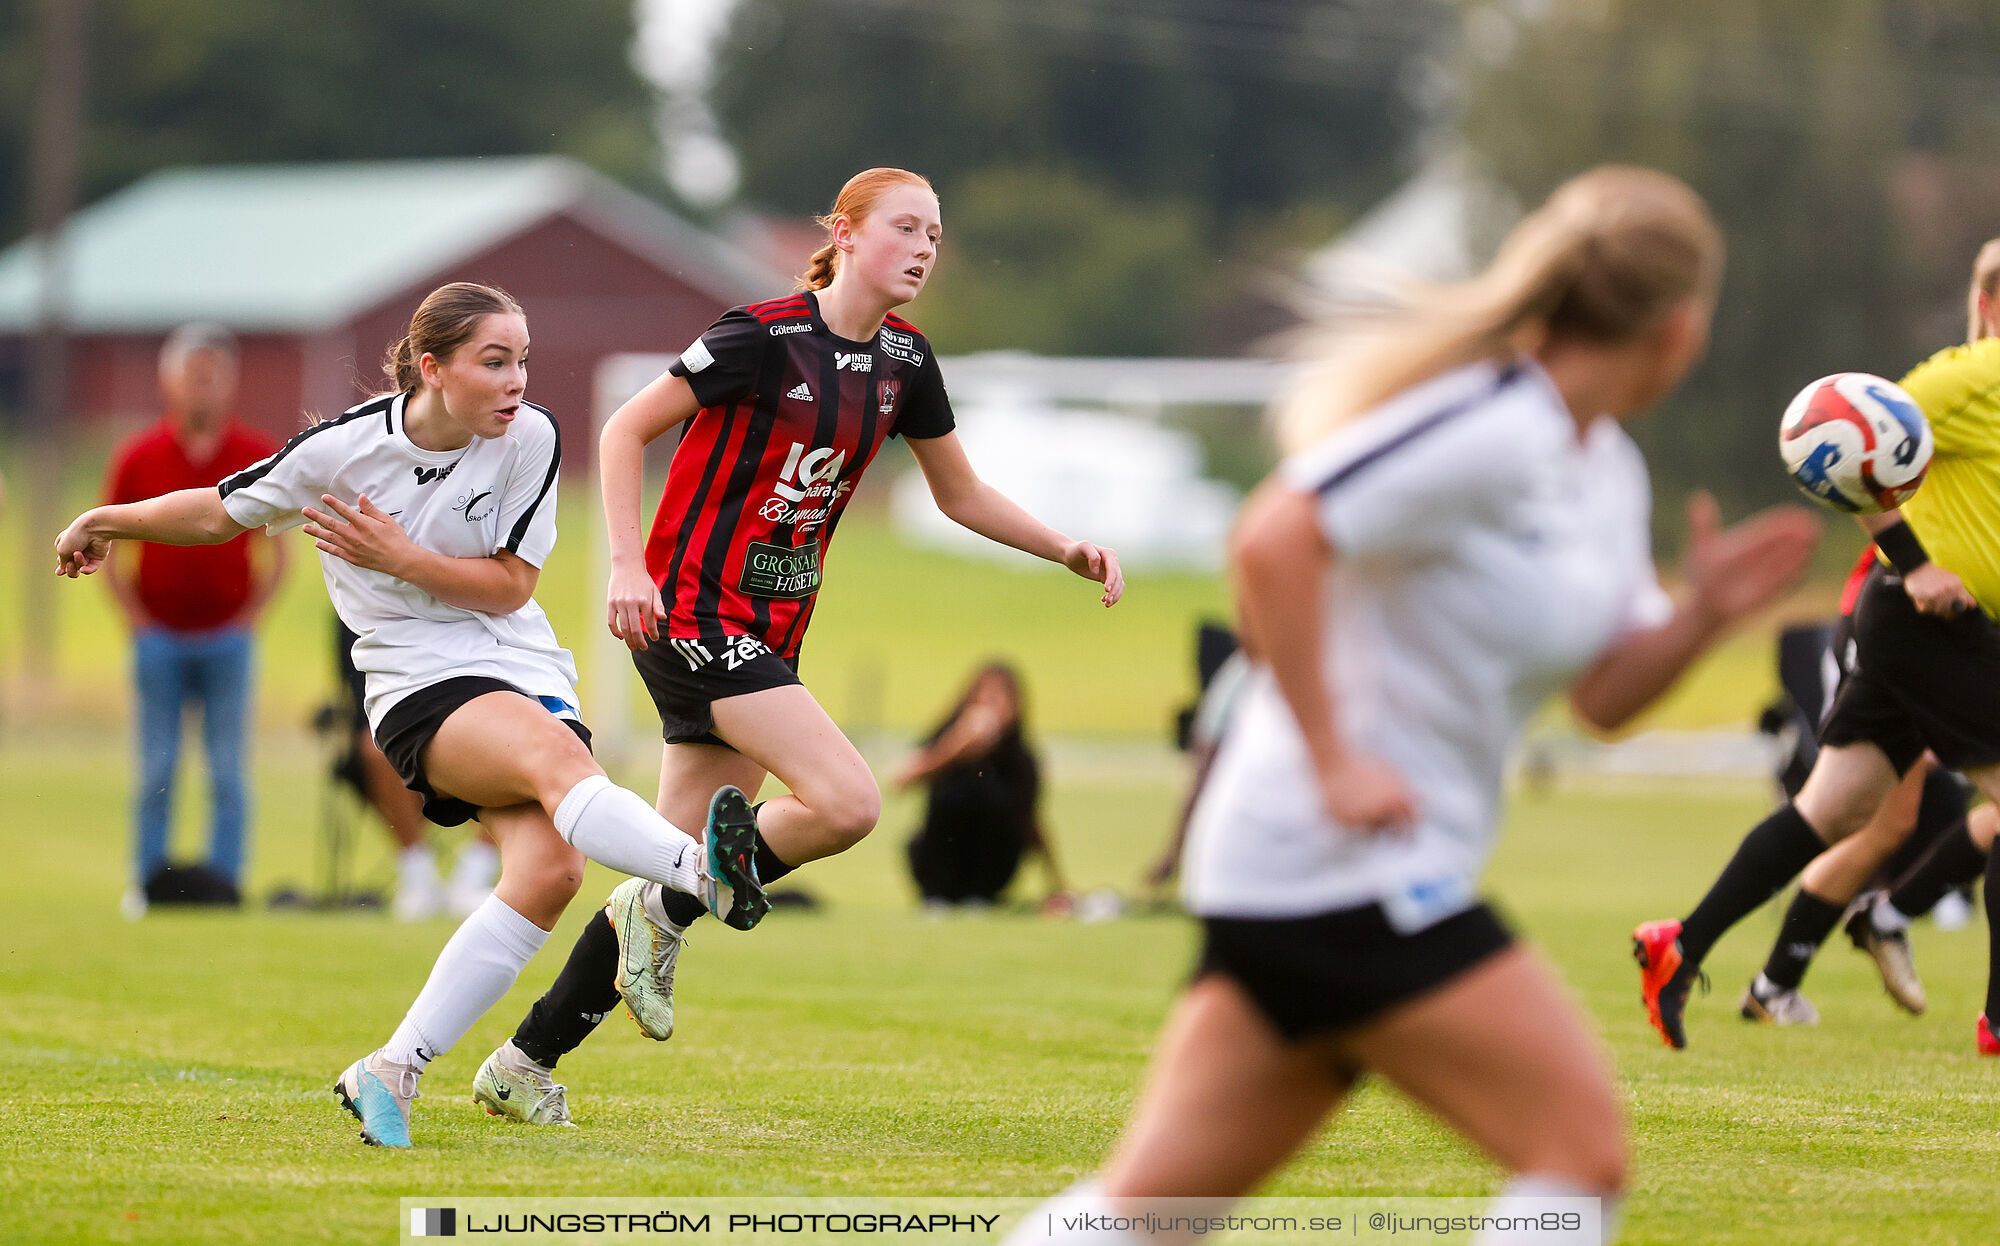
x=1770 y=856
x=769 y=868
x=1992 y=937
x=585 y=992
x=1952 y=861
x=682 y=908
x=1807 y=924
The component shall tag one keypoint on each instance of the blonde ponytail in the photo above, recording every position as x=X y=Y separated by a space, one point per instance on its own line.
x=1609 y=253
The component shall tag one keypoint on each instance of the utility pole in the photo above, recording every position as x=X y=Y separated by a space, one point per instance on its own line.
x=58 y=140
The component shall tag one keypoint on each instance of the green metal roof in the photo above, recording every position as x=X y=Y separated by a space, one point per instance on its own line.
x=304 y=247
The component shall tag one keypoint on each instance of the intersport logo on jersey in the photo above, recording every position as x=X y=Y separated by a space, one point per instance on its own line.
x=807 y=487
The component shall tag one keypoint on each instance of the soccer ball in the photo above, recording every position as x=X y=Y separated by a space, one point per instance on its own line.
x=1856 y=443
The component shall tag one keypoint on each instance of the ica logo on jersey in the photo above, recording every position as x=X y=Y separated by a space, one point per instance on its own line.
x=806 y=488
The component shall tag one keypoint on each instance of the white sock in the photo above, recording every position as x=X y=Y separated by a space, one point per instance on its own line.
x=478 y=864
x=1886 y=917
x=1526 y=1198
x=416 y=865
x=619 y=829
x=478 y=965
x=1763 y=987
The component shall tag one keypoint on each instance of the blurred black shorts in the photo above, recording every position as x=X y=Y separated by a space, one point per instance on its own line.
x=1315 y=975
x=411 y=722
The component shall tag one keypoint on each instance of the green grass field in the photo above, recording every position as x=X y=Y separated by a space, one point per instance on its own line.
x=168 y=1076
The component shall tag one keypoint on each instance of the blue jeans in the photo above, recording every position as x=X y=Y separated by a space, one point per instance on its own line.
x=170 y=669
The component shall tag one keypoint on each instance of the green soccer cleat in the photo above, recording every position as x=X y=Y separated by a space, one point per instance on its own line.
x=509 y=1084
x=649 y=947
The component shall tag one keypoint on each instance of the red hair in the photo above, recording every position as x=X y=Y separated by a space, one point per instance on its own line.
x=855 y=201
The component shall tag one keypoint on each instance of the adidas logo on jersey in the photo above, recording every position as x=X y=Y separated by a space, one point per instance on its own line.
x=801 y=393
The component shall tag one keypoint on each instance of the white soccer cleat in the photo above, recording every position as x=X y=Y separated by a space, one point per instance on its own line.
x=1775 y=1007
x=649 y=948
x=509 y=1084
x=1890 y=951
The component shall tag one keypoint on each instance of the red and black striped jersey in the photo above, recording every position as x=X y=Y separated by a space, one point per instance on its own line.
x=791 y=415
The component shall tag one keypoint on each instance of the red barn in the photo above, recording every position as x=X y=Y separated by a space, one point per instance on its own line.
x=318 y=267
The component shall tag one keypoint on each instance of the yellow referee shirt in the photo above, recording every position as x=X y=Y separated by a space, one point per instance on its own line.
x=1956 y=514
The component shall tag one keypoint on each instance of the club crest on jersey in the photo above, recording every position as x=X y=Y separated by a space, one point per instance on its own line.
x=857 y=362
x=470 y=504
x=887 y=403
x=899 y=345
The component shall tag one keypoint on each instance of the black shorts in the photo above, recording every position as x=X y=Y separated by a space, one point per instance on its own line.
x=1315 y=975
x=1918 y=681
x=351 y=678
x=411 y=722
x=686 y=676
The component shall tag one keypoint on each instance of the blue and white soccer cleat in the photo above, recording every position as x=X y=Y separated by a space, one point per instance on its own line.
x=379 y=1092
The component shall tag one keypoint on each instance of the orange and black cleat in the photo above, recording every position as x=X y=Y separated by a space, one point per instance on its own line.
x=1988 y=1045
x=1662 y=988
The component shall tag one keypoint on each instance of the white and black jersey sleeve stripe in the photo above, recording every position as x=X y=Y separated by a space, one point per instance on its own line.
x=528 y=511
x=1405 y=480
x=272 y=493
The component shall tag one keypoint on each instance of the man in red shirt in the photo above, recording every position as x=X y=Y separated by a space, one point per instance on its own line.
x=191 y=607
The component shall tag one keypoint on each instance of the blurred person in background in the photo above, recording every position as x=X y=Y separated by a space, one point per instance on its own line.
x=191 y=611
x=786 y=403
x=1220 y=669
x=1460 y=529
x=1925 y=677
x=982 y=798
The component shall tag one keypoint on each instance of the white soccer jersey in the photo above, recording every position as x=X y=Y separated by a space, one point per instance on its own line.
x=1484 y=555
x=494 y=494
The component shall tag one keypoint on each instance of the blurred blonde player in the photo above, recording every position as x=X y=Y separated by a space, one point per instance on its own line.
x=1460 y=530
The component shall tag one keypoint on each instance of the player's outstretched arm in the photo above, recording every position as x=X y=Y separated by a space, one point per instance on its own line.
x=184 y=517
x=1731 y=574
x=971 y=503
